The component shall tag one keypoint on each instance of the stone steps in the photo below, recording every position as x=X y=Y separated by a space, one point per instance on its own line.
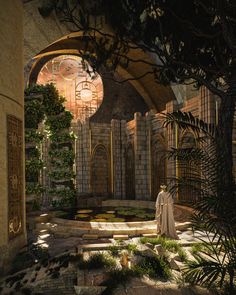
x=120 y=237
x=93 y=247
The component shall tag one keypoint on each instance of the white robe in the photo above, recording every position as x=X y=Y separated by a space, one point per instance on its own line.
x=165 y=215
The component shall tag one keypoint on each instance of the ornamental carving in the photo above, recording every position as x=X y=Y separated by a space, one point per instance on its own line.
x=15 y=176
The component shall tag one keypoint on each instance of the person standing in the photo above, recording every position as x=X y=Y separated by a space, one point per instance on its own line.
x=165 y=214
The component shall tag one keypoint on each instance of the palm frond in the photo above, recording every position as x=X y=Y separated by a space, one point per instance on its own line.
x=186 y=121
x=214 y=208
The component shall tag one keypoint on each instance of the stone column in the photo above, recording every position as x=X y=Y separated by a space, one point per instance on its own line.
x=83 y=158
x=118 y=156
x=149 y=117
x=208 y=105
x=172 y=141
x=12 y=179
x=141 y=158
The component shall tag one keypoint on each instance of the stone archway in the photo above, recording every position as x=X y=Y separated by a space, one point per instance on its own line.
x=187 y=171
x=100 y=177
x=47 y=36
x=159 y=163
x=130 y=172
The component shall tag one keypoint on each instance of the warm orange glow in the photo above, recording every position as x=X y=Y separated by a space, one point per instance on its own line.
x=83 y=91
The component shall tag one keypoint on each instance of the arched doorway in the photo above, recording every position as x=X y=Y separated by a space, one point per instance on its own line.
x=130 y=172
x=187 y=172
x=100 y=180
x=159 y=164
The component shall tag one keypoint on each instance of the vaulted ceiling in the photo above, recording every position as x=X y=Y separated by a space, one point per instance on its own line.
x=45 y=38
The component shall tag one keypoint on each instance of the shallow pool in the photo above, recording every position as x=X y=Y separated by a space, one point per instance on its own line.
x=107 y=214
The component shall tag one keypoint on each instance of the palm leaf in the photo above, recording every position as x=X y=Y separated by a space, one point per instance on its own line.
x=186 y=121
x=214 y=212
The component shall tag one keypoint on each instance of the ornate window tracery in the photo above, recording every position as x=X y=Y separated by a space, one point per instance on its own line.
x=75 y=80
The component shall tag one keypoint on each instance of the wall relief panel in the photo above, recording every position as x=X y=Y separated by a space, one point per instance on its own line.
x=15 y=176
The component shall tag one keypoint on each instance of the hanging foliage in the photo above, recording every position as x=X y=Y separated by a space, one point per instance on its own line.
x=44 y=104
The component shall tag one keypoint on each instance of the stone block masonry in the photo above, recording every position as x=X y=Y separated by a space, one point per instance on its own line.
x=126 y=160
x=12 y=218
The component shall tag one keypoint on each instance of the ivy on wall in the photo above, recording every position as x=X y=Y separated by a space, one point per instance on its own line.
x=61 y=159
x=44 y=104
x=34 y=114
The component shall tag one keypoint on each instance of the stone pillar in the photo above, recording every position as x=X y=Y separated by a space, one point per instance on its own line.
x=118 y=156
x=208 y=105
x=172 y=141
x=83 y=158
x=12 y=180
x=141 y=157
x=149 y=117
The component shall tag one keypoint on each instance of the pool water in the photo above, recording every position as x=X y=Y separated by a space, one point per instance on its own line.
x=108 y=214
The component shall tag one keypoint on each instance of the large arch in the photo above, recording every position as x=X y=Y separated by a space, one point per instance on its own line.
x=100 y=171
x=186 y=170
x=130 y=172
x=159 y=163
x=47 y=36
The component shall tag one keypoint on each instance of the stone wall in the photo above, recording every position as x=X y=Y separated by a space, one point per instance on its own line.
x=12 y=222
x=118 y=150
x=128 y=160
x=136 y=150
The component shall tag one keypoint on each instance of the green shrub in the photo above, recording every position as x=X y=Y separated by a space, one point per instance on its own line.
x=131 y=247
x=59 y=121
x=61 y=174
x=33 y=136
x=64 y=137
x=153 y=241
x=114 y=250
x=182 y=255
x=154 y=267
x=33 y=165
x=96 y=261
x=171 y=245
x=198 y=247
x=34 y=188
x=63 y=193
x=167 y=244
x=62 y=155
x=67 y=201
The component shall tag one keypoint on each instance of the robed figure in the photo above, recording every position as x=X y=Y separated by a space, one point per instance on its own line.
x=165 y=214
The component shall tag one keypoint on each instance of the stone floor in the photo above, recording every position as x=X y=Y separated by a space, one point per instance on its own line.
x=57 y=245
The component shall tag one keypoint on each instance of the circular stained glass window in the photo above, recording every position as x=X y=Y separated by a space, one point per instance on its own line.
x=83 y=91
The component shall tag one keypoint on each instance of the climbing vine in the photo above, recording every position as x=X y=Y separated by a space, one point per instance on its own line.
x=34 y=115
x=43 y=104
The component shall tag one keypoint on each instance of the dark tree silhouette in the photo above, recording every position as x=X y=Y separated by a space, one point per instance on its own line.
x=190 y=42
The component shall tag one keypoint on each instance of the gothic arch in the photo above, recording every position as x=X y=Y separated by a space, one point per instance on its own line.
x=158 y=163
x=186 y=170
x=55 y=38
x=100 y=171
